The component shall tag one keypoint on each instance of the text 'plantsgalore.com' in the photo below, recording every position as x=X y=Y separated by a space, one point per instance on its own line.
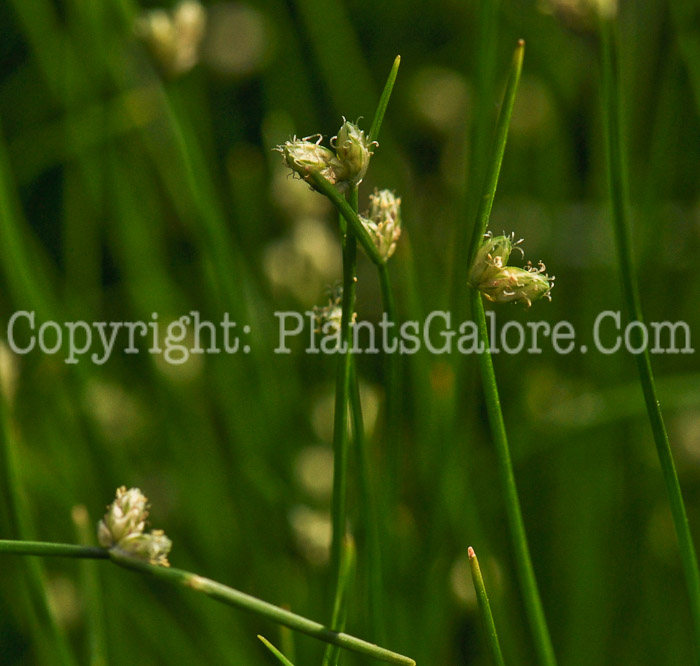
x=178 y=339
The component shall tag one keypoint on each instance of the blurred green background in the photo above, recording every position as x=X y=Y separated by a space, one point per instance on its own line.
x=132 y=185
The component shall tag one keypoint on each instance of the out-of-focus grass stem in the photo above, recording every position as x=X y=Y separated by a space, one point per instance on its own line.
x=340 y=422
x=617 y=178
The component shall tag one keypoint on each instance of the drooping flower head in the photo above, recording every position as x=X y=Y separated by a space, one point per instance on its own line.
x=512 y=285
x=501 y=283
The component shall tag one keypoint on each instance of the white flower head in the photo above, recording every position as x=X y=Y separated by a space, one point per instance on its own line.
x=125 y=517
x=328 y=317
x=354 y=149
x=512 y=285
x=383 y=221
x=174 y=36
x=122 y=528
x=153 y=547
x=492 y=256
x=304 y=155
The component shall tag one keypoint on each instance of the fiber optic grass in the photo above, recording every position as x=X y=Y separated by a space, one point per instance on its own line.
x=125 y=192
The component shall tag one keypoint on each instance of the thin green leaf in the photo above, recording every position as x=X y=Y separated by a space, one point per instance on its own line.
x=275 y=651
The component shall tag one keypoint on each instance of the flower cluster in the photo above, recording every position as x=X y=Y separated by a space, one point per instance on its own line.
x=174 y=36
x=383 y=221
x=500 y=283
x=122 y=527
x=343 y=168
x=328 y=317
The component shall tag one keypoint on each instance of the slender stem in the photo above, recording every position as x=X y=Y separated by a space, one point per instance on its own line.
x=531 y=597
x=384 y=100
x=478 y=139
x=340 y=423
x=217 y=591
x=340 y=609
x=52 y=638
x=523 y=561
x=275 y=651
x=486 y=202
x=350 y=216
x=95 y=623
x=619 y=204
x=368 y=514
x=392 y=369
x=45 y=549
x=485 y=608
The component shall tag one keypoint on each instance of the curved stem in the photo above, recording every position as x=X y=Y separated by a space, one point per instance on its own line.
x=211 y=588
x=349 y=215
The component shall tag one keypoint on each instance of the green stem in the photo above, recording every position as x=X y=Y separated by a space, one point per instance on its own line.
x=523 y=561
x=485 y=608
x=350 y=216
x=384 y=100
x=526 y=574
x=340 y=423
x=281 y=658
x=45 y=549
x=340 y=608
x=619 y=204
x=216 y=591
x=486 y=202
x=91 y=590
x=368 y=514
x=392 y=368
x=52 y=639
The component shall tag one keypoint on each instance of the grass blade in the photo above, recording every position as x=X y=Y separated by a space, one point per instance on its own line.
x=384 y=100
x=619 y=205
x=485 y=608
x=275 y=651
